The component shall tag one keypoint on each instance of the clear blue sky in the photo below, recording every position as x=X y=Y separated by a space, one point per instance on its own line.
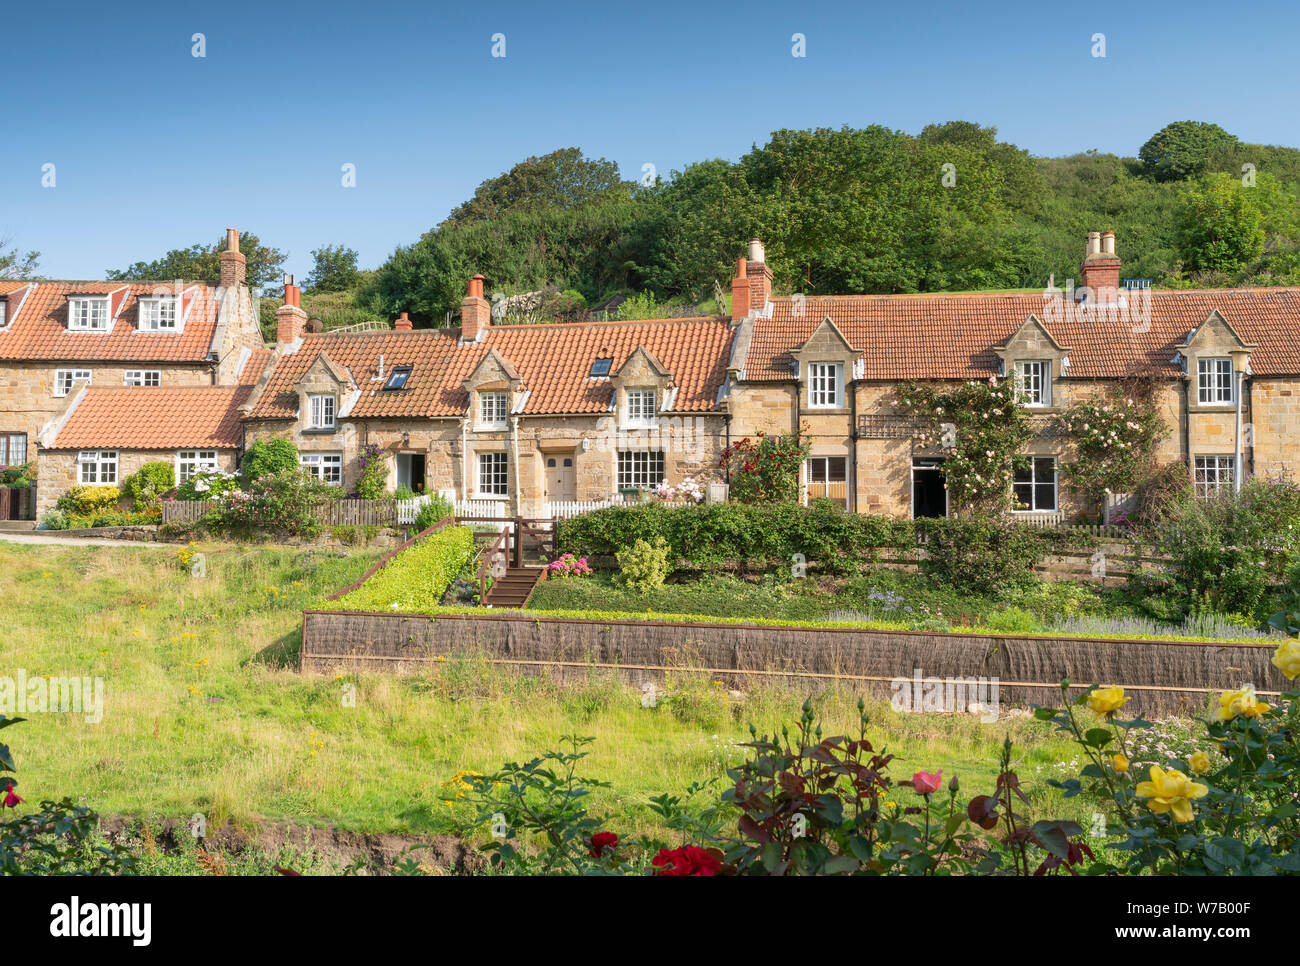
x=156 y=149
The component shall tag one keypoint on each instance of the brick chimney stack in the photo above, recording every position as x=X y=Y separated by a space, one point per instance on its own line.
x=740 y=291
x=1100 y=268
x=475 y=312
x=234 y=264
x=403 y=323
x=760 y=276
x=290 y=319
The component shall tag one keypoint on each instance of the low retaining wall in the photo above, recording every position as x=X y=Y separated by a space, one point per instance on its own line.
x=1162 y=676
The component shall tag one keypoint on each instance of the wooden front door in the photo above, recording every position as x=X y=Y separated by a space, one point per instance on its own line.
x=561 y=479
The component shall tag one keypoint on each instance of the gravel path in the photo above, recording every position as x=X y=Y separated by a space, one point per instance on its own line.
x=48 y=540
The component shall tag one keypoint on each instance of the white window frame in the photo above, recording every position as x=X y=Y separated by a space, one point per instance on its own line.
x=326 y=467
x=492 y=479
x=1034 y=383
x=97 y=467
x=1215 y=382
x=82 y=314
x=493 y=409
x=71 y=377
x=1034 y=482
x=642 y=468
x=1212 y=475
x=642 y=408
x=191 y=462
x=4 y=313
x=7 y=448
x=142 y=377
x=320 y=411
x=825 y=385
x=152 y=316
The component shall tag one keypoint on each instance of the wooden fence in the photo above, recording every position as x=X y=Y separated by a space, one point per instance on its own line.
x=1161 y=676
x=339 y=513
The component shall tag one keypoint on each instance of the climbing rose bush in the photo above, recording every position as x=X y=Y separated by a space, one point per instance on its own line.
x=767 y=470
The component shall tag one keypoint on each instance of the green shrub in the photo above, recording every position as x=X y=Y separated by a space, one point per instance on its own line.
x=644 y=565
x=207 y=485
x=373 y=478
x=417 y=577
x=264 y=458
x=783 y=536
x=89 y=500
x=985 y=554
x=18 y=477
x=286 y=503
x=148 y=483
x=438 y=508
x=54 y=520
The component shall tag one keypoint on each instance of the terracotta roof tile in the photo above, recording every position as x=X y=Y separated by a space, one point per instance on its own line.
x=946 y=336
x=40 y=331
x=553 y=361
x=155 y=418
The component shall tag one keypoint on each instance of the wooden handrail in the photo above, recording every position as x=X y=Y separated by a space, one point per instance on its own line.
x=503 y=536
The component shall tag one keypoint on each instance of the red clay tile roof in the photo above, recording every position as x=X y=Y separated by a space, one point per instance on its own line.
x=553 y=361
x=946 y=336
x=40 y=330
x=155 y=418
x=253 y=368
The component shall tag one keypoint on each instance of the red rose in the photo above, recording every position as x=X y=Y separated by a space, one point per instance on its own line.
x=688 y=860
x=600 y=842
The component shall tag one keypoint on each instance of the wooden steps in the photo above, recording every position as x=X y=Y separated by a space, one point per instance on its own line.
x=514 y=589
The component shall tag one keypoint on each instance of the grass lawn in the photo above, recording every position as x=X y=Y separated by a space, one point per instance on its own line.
x=204 y=712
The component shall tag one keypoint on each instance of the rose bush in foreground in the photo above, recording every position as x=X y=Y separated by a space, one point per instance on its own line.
x=806 y=804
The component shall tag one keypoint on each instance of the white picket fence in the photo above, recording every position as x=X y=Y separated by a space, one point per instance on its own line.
x=563 y=509
x=482 y=508
x=408 y=510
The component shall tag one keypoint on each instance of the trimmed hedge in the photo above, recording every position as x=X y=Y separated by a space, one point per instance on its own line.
x=985 y=553
x=416 y=578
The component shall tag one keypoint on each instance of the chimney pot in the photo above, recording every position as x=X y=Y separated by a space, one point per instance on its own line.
x=475 y=313
x=1100 y=269
x=403 y=323
x=1108 y=243
x=233 y=264
x=756 y=250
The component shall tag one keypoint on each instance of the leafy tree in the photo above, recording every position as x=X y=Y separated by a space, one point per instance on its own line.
x=561 y=179
x=264 y=458
x=1181 y=150
x=201 y=263
x=1223 y=225
x=334 y=269
x=15 y=264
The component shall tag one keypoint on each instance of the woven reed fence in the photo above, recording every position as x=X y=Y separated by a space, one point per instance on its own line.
x=1163 y=676
x=339 y=513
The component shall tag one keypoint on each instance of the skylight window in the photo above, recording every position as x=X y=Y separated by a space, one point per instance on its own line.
x=601 y=367
x=397 y=378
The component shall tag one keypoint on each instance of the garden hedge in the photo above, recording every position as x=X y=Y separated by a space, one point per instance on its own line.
x=418 y=576
x=985 y=552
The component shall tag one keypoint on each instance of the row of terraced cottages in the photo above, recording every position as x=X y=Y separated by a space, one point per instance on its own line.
x=104 y=377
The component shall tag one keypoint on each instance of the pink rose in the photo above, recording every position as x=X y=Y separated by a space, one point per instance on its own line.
x=927 y=784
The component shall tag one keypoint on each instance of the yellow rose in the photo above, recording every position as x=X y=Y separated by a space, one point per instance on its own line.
x=1287 y=658
x=1242 y=702
x=1107 y=700
x=1119 y=763
x=1171 y=791
x=1199 y=762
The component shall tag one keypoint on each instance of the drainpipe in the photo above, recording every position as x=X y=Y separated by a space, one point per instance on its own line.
x=726 y=430
x=464 y=458
x=1250 y=406
x=1236 y=461
x=853 y=446
x=514 y=453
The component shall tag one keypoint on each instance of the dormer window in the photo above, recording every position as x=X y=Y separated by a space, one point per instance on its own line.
x=601 y=367
x=1214 y=382
x=825 y=385
x=4 y=312
x=641 y=406
x=397 y=378
x=1034 y=383
x=321 y=412
x=492 y=409
x=88 y=314
x=159 y=313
